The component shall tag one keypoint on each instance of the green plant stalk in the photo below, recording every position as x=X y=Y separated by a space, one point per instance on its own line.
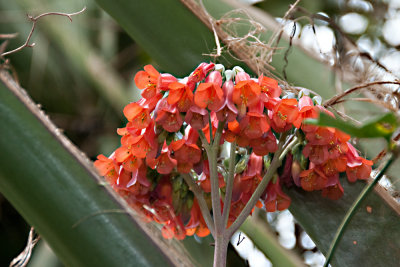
x=276 y=162
x=352 y=211
x=229 y=185
x=294 y=142
x=212 y=151
x=198 y=192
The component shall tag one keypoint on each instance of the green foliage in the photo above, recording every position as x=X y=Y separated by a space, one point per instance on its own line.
x=56 y=190
x=382 y=126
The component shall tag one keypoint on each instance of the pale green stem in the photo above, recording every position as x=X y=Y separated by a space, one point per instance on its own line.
x=210 y=127
x=288 y=148
x=229 y=185
x=198 y=192
x=352 y=211
x=259 y=190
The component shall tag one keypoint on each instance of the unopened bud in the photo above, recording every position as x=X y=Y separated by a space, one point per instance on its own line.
x=220 y=68
x=304 y=92
x=289 y=96
x=242 y=164
x=237 y=69
x=317 y=100
x=229 y=75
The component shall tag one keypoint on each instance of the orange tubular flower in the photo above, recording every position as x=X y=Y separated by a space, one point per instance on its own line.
x=137 y=114
x=107 y=167
x=254 y=125
x=197 y=117
x=209 y=94
x=357 y=167
x=200 y=72
x=313 y=179
x=227 y=111
x=276 y=199
x=269 y=86
x=185 y=154
x=333 y=192
x=265 y=144
x=284 y=114
x=164 y=164
x=246 y=94
x=168 y=116
x=306 y=111
x=147 y=80
x=181 y=95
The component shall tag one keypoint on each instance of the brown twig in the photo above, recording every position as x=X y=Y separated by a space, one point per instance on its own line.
x=23 y=258
x=8 y=35
x=335 y=99
x=34 y=21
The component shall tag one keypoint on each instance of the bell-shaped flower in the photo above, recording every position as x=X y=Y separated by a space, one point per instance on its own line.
x=168 y=116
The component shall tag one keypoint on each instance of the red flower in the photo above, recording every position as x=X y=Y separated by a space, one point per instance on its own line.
x=209 y=94
x=276 y=199
x=181 y=95
x=185 y=154
x=163 y=164
x=265 y=144
x=200 y=72
x=313 y=179
x=168 y=116
x=227 y=111
x=106 y=167
x=147 y=80
x=333 y=192
x=255 y=123
x=284 y=114
x=246 y=94
x=357 y=167
x=197 y=117
x=269 y=86
x=316 y=153
x=137 y=114
x=306 y=111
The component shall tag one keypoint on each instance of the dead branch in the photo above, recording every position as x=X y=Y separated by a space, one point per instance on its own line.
x=334 y=100
x=23 y=258
x=8 y=35
x=34 y=21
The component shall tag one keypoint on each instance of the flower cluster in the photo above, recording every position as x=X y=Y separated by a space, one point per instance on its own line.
x=168 y=128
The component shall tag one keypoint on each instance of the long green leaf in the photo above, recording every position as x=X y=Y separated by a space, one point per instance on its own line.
x=55 y=188
x=159 y=26
x=383 y=126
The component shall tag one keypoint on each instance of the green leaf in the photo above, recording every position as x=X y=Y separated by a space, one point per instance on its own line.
x=382 y=126
x=55 y=188
x=371 y=239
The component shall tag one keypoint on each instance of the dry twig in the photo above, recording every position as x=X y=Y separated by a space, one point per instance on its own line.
x=34 y=21
x=23 y=258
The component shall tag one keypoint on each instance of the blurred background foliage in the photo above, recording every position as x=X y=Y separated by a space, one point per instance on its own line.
x=81 y=73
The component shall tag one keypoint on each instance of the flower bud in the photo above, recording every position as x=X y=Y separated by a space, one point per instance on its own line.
x=237 y=69
x=219 y=67
x=317 y=100
x=304 y=92
x=229 y=75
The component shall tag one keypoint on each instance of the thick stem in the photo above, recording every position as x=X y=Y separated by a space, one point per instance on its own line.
x=198 y=193
x=212 y=153
x=220 y=251
x=215 y=198
x=350 y=213
x=229 y=185
x=259 y=190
